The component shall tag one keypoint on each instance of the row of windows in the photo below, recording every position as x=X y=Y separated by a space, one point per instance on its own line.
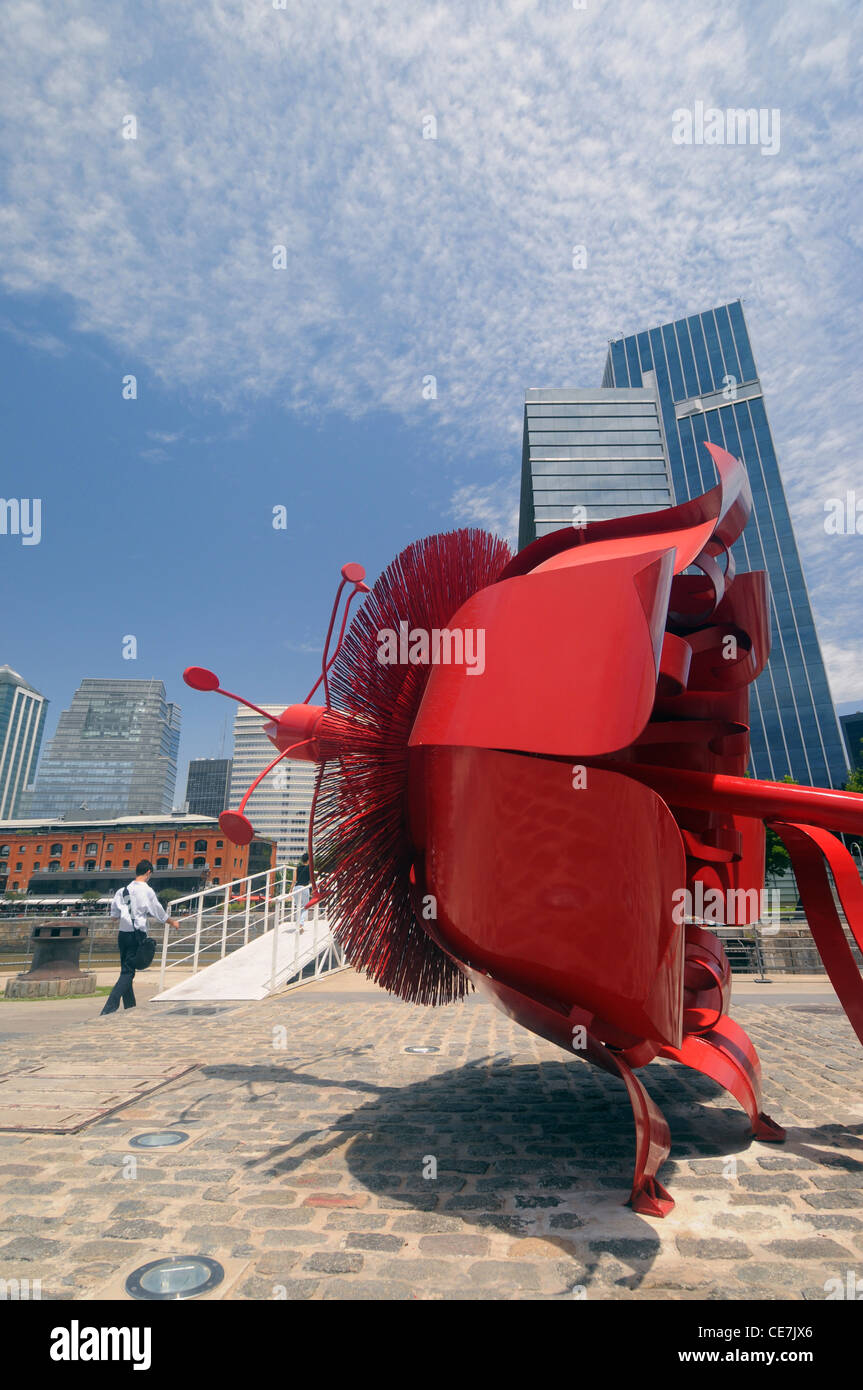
x=621 y=444
x=568 y=467
x=90 y=865
x=621 y=495
x=566 y=410
x=164 y=847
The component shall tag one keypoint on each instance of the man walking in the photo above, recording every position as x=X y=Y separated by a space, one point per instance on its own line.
x=133 y=905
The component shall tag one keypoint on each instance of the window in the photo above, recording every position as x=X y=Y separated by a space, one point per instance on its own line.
x=200 y=846
x=182 y=844
x=215 y=880
x=162 y=864
x=73 y=846
x=21 y=849
x=125 y=863
x=146 y=844
x=15 y=884
x=37 y=865
x=54 y=866
x=217 y=861
x=199 y=863
x=71 y=863
x=128 y=844
x=55 y=849
x=109 y=845
x=92 y=848
x=164 y=846
x=18 y=868
x=219 y=844
x=89 y=865
x=180 y=863
x=4 y=850
x=107 y=864
x=38 y=849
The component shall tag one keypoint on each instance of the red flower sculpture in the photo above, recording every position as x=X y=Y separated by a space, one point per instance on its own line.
x=528 y=763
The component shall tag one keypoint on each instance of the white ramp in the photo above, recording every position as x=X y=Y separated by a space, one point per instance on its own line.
x=250 y=971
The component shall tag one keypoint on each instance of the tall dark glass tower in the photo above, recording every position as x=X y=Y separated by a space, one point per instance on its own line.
x=709 y=389
x=207 y=786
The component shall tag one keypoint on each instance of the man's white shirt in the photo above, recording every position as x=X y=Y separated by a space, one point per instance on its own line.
x=144 y=904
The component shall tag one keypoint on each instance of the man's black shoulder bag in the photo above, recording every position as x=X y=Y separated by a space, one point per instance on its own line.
x=147 y=947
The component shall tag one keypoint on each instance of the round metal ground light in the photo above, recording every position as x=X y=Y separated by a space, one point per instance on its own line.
x=422 y=1049
x=173 y=1277
x=158 y=1139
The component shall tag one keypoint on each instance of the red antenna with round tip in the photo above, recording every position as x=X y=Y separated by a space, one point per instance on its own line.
x=351 y=574
x=235 y=824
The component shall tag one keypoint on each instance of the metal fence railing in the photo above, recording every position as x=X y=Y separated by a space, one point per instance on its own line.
x=224 y=918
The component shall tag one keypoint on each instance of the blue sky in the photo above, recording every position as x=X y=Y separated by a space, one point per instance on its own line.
x=405 y=257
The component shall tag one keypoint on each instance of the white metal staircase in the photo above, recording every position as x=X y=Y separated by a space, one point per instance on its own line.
x=246 y=941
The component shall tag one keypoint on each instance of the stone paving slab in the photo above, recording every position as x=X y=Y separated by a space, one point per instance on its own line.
x=62 y=1097
x=325 y=1162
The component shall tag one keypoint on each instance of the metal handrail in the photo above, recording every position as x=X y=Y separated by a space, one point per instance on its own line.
x=278 y=905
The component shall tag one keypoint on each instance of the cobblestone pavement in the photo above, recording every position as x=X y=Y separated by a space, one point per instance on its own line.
x=312 y=1131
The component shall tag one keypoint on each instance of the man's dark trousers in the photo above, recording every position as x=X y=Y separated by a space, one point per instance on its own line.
x=128 y=943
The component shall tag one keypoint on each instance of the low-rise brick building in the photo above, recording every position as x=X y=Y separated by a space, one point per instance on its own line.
x=68 y=857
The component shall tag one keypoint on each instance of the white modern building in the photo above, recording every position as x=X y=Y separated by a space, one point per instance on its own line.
x=22 y=718
x=279 y=808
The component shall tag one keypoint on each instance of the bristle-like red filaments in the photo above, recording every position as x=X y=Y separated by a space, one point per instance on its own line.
x=361 y=834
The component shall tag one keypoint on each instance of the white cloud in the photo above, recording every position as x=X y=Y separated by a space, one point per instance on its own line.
x=453 y=256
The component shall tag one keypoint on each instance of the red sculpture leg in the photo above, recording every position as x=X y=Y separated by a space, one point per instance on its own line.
x=727 y=1056
x=652 y=1141
x=809 y=848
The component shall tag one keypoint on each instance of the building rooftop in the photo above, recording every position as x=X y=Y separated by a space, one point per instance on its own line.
x=10 y=677
x=58 y=823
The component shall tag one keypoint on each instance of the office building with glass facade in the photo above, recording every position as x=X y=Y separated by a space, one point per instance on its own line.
x=208 y=786
x=114 y=753
x=22 y=719
x=852 y=728
x=279 y=808
x=702 y=371
x=591 y=454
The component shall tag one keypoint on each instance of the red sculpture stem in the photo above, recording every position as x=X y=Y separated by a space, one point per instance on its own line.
x=261 y=775
x=842 y=811
x=311 y=831
x=240 y=701
x=323 y=675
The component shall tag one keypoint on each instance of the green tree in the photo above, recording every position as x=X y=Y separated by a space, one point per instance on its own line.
x=776 y=858
x=167 y=895
x=855 y=781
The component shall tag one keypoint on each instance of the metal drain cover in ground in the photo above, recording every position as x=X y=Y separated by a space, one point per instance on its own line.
x=178 y=1276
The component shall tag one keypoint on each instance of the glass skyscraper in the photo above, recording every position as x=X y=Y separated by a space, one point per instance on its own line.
x=22 y=719
x=702 y=373
x=114 y=753
x=709 y=389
